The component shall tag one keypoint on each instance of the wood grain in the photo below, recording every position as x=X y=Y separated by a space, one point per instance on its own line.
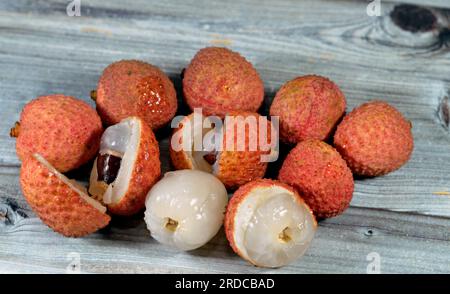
x=43 y=51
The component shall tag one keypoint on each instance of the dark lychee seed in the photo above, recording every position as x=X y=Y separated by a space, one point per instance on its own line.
x=210 y=157
x=108 y=167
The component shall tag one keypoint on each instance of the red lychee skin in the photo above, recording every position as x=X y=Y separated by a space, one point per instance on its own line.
x=146 y=172
x=239 y=196
x=57 y=205
x=374 y=139
x=64 y=130
x=320 y=175
x=219 y=80
x=234 y=167
x=135 y=88
x=309 y=107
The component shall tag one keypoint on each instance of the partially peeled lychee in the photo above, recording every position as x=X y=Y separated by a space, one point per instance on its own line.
x=62 y=204
x=127 y=166
x=241 y=157
x=268 y=224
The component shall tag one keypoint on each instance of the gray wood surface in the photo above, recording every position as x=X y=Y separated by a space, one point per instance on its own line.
x=403 y=216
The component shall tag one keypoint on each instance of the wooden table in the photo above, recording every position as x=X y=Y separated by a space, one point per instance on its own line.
x=403 y=217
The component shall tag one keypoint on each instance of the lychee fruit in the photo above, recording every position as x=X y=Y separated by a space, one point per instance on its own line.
x=268 y=224
x=127 y=166
x=320 y=176
x=240 y=157
x=64 y=130
x=220 y=80
x=309 y=107
x=62 y=204
x=135 y=88
x=374 y=139
x=185 y=209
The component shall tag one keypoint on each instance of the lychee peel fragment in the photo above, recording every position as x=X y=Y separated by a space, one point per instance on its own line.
x=60 y=203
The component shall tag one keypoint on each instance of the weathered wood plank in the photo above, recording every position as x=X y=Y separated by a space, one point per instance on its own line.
x=405 y=243
x=369 y=58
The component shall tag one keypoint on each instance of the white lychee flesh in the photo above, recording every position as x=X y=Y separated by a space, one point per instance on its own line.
x=121 y=140
x=186 y=208
x=272 y=228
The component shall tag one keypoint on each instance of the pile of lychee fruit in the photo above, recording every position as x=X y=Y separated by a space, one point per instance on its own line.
x=268 y=222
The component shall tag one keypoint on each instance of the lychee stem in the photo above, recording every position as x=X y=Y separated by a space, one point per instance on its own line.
x=94 y=95
x=14 y=132
x=284 y=235
x=171 y=224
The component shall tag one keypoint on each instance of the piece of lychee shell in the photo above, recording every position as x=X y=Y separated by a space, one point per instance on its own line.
x=219 y=80
x=234 y=166
x=374 y=139
x=64 y=130
x=309 y=107
x=135 y=88
x=140 y=167
x=268 y=224
x=60 y=203
x=320 y=175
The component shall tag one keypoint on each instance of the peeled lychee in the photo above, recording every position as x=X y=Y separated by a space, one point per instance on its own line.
x=309 y=107
x=62 y=204
x=135 y=88
x=185 y=209
x=220 y=80
x=374 y=139
x=268 y=224
x=127 y=166
x=321 y=177
x=64 y=130
x=241 y=158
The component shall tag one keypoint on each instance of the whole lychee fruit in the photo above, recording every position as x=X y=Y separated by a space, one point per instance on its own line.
x=64 y=130
x=240 y=157
x=321 y=177
x=135 y=88
x=127 y=166
x=374 y=139
x=268 y=224
x=309 y=107
x=62 y=204
x=185 y=209
x=219 y=80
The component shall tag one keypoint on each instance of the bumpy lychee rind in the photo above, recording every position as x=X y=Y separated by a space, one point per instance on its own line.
x=58 y=205
x=374 y=139
x=235 y=168
x=135 y=88
x=320 y=175
x=219 y=80
x=146 y=172
x=235 y=165
x=238 y=198
x=309 y=107
x=64 y=130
